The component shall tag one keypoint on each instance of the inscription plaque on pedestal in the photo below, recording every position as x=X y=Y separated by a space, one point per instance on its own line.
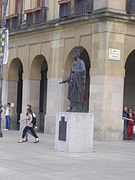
x=62 y=129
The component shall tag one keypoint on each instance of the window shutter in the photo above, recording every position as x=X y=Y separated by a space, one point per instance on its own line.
x=12 y=5
x=31 y=5
x=11 y=9
x=34 y=4
x=27 y=5
x=8 y=8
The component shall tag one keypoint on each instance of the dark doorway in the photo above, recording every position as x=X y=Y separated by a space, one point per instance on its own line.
x=19 y=94
x=129 y=83
x=15 y=88
x=85 y=57
x=43 y=95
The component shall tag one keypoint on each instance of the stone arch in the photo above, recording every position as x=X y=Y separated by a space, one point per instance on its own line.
x=129 y=81
x=85 y=57
x=15 y=90
x=38 y=88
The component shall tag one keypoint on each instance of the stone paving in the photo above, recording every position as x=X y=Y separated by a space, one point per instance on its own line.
x=29 y=161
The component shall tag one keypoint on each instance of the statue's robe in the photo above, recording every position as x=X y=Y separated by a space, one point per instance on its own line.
x=76 y=81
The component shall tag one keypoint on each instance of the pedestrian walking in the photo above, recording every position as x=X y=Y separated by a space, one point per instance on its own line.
x=28 y=126
x=33 y=121
x=125 y=115
x=130 y=123
x=8 y=115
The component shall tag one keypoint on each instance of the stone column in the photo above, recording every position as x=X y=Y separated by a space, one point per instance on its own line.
x=4 y=100
x=106 y=103
x=54 y=103
x=54 y=89
x=34 y=98
x=96 y=105
x=119 y=6
x=107 y=80
x=25 y=99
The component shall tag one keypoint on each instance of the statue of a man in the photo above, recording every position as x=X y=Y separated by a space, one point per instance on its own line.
x=76 y=82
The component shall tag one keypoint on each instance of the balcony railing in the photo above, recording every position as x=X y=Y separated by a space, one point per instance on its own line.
x=130 y=7
x=36 y=17
x=83 y=7
x=79 y=7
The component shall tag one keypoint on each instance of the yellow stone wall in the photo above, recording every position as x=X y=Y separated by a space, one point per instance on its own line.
x=56 y=43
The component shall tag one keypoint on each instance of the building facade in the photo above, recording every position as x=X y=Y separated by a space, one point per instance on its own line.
x=42 y=36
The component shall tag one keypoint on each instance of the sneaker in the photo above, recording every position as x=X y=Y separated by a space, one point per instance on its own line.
x=26 y=140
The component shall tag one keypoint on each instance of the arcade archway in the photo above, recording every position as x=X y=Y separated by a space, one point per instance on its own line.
x=85 y=57
x=129 y=84
x=38 y=89
x=15 y=88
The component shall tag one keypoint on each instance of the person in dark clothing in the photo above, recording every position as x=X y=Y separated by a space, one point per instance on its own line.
x=125 y=114
x=130 y=123
x=28 y=126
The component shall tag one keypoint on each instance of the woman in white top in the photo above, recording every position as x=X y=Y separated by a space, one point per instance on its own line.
x=28 y=126
x=8 y=114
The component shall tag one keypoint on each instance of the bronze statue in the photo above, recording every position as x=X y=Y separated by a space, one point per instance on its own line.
x=76 y=81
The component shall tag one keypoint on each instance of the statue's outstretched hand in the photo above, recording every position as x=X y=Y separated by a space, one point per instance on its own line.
x=63 y=82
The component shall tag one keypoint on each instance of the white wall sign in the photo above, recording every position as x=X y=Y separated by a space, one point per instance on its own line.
x=114 y=54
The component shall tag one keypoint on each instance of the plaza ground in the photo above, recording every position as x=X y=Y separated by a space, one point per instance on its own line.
x=108 y=161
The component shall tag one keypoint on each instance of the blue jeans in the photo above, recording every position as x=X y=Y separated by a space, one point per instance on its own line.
x=8 y=122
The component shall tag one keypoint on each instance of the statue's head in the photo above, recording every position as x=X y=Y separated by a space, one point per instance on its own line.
x=76 y=53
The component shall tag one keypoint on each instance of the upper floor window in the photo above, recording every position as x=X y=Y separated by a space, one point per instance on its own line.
x=35 y=11
x=83 y=6
x=25 y=12
x=75 y=7
x=14 y=14
x=65 y=8
x=31 y=6
x=12 y=9
x=130 y=6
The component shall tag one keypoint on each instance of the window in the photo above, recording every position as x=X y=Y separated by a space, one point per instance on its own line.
x=65 y=9
x=83 y=7
x=36 y=11
x=75 y=7
x=40 y=16
x=12 y=8
x=31 y=6
x=14 y=14
x=130 y=7
x=29 y=19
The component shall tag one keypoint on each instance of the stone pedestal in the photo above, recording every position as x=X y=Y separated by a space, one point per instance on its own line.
x=74 y=132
